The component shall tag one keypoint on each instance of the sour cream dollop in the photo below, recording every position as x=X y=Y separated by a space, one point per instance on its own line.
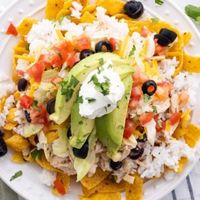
x=100 y=92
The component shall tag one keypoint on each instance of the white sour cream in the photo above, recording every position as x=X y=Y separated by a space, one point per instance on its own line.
x=94 y=102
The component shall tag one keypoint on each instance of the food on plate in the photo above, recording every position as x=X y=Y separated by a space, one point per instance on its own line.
x=102 y=92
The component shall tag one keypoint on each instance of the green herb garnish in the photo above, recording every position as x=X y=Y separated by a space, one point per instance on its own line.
x=154 y=109
x=193 y=12
x=159 y=2
x=132 y=51
x=67 y=87
x=80 y=99
x=101 y=61
x=16 y=175
x=80 y=122
x=35 y=104
x=146 y=98
x=90 y=100
x=36 y=154
x=104 y=87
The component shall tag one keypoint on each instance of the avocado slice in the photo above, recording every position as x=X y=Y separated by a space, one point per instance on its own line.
x=110 y=127
x=80 y=72
x=81 y=127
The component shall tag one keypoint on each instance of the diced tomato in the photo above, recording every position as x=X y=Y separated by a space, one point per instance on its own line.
x=133 y=104
x=72 y=59
x=136 y=93
x=83 y=43
x=59 y=186
x=12 y=30
x=183 y=98
x=163 y=89
x=175 y=118
x=63 y=49
x=160 y=126
x=113 y=43
x=56 y=80
x=36 y=71
x=145 y=118
x=129 y=128
x=159 y=50
x=39 y=115
x=26 y=101
x=144 y=32
x=139 y=78
x=20 y=72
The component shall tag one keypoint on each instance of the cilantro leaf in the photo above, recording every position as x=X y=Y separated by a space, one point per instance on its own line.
x=90 y=100
x=36 y=153
x=67 y=87
x=193 y=12
x=154 y=109
x=146 y=98
x=159 y=2
x=101 y=61
x=155 y=19
x=16 y=175
x=132 y=51
x=80 y=99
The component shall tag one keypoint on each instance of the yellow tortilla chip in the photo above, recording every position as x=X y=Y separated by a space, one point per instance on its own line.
x=42 y=162
x=186 y=38
x=17 y=158
x=9 y=126
x=96 y=179
x=17 y=143
x=7 y=134
x=25 y=57
x=122 y=16
x=191 y=63
x=21 y=47
x=51 y=136
x=11 y=115
x=87 y=17
x=107 y=186
x=135 y=191
x=53 y=7
x=65 y=9
x=89 y=8
x=103 y=196
x=182 y=163
x=25 y=26
x=2 y=102
x=113 y=7
x=192 y=134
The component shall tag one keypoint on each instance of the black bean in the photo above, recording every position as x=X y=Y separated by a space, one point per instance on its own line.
x=134 y=9
x=115 y=165
x=136 y=153
x=149 y=87
x=51 y=106
x=103 y=46
x=3 y=147
x=85 y=53
x=28 y=116
x=22 y=84
x=82 y=152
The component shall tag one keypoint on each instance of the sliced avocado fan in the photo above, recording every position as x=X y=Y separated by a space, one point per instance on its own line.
x=68 y=91
x=110 y=127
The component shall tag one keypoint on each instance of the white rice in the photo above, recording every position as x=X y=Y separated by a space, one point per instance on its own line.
x=22 y=65
x=76 y=10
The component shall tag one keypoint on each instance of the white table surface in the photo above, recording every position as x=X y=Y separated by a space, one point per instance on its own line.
x=189 y=189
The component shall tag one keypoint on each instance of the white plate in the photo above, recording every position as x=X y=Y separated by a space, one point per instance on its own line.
x=29 y=185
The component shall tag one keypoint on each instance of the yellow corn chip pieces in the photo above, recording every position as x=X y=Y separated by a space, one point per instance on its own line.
x=17 y=158
x=134 y=191
x=51 y=136
x=103 y=196
x=182 y=163
x=96 y=179
x=186 y=38
x=87 y=17
x=25 y=26
x=7 y=134
x=112 y=7
x=192 y=134
x=65 y=9
x=52 y=8
x=42 y=162
x=107 y=186
x=191 y=63
x=89 y=8
x=17 y=143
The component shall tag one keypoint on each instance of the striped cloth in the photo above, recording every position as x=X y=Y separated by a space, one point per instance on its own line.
x=189 y=189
